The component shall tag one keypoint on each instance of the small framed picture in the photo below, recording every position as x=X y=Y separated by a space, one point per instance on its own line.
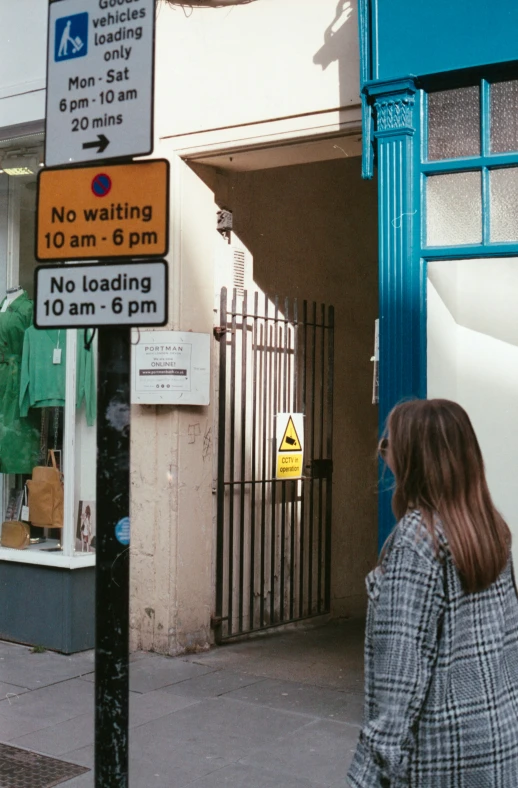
x=14 y=505
x=85 y=531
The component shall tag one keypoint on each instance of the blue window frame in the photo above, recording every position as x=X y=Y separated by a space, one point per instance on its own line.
x=486 y=163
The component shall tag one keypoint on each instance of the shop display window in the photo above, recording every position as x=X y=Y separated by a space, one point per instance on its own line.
x=47 y=395
x=472 y=354
x=469 y=171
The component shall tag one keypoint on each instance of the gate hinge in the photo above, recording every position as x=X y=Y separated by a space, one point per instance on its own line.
x=219 y=331
x=216 y=621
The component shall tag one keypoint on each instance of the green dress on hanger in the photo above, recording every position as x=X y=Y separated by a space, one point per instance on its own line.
x=19 y=437
x=43 y=382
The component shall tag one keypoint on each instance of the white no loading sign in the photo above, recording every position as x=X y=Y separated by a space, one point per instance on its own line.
x=100 y=68
x=111 y=294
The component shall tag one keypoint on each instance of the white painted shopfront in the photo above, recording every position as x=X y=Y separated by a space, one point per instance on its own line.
x=257 y=110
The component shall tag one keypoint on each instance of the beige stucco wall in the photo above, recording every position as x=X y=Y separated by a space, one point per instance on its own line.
x=267 y=73
x=269 y=59
x=172 y=514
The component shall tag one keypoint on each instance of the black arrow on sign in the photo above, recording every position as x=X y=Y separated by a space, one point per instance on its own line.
x=101 y=143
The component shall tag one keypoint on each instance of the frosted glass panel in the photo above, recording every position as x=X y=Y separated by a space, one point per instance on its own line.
x=454 y=123
x=453 y=209
x=504 y=204
x=504 y=116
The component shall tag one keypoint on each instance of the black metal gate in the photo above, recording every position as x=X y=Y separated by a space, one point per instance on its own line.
x=273 y=535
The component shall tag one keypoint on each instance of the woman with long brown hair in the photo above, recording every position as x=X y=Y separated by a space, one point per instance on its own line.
x=441 y=645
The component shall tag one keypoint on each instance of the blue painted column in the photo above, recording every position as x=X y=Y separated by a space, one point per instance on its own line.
x=400 y=279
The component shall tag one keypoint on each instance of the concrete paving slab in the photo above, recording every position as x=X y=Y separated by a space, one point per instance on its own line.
x=84 y=781
x=9 y=691
x=79 y=731
x=72 y=697
x=158 y=762
x=12 y=727
x=84 y=756
x=240 y=775
x=218 y=728
x=151 y=672
x=151 y=706
x=234 y=776
x=7 y=648
x=321 y=751
x=44 y=708
x=18 y=665
x=174 y=766
x=302 y=698
x=60 y=738
x=212 y=685
x=327 y=656
x=319 y=674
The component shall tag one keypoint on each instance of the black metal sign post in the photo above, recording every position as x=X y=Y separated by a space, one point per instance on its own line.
x=112 y=559
x=56 y=306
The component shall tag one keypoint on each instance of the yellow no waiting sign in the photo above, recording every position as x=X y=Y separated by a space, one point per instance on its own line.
x=289 y=433
x=100 y=211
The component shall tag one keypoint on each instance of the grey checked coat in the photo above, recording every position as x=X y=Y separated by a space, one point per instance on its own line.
x=441 y=705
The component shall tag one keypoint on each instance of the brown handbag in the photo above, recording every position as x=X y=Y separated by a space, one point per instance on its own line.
x=15 y=534
x=46 y=496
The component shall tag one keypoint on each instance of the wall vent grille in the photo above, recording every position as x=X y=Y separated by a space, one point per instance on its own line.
x=238 y=271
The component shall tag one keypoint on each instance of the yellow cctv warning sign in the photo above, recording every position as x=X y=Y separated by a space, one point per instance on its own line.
x=290 y=445
x=290 y=440
x=103 y=211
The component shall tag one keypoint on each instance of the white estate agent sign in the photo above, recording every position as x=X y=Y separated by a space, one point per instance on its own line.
x=170 y=368
x=101 y=294
x=100 y=69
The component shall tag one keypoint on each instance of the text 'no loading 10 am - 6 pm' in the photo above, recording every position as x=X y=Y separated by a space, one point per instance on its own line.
x=96 y=295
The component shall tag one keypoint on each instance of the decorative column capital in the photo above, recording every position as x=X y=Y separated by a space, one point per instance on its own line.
x=394 y=113
x=394 y=104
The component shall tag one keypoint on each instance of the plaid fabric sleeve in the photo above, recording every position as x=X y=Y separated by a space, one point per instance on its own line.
x=405 y=641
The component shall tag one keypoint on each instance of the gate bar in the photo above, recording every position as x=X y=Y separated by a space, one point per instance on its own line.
x=254 y=439
x=263 y=448
x=222 y=410
x=275 y=391
x=329 y=447
x=312 y=454
x=321 y=456
x=304 y=485
x=295 y=484
x=284 y=364
x=232 y=464
x=243 y=402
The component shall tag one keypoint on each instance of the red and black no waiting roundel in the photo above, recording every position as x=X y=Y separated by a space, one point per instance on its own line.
x=101 y=184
